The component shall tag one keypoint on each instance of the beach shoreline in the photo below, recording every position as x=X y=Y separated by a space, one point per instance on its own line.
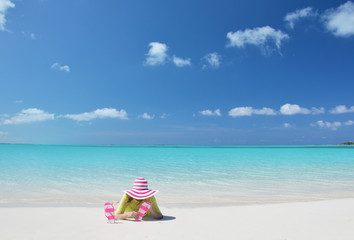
x=186 y=204
x=325 y=220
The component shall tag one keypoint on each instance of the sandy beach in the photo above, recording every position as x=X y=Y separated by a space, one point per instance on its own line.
x=330 y=219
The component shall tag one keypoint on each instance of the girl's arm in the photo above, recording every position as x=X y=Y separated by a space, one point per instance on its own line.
x=155 y=215
x=155 y=210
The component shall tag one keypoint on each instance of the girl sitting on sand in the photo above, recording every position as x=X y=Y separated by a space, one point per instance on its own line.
x=135 y=203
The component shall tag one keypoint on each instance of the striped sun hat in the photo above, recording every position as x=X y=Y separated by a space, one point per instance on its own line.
x=140 y=190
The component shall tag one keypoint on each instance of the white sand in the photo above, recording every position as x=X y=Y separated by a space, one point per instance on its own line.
x=322 y=220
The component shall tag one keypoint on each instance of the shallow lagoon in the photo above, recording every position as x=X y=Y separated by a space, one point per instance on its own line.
x=75 y=174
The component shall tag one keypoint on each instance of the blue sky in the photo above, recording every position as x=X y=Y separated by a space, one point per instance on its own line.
x=176 y=72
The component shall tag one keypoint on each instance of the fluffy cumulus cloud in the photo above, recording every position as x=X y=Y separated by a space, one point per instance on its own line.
x=147 y=116
x=261 y=37
x=249 y=111
x=4 y=6
x=211 y=113
x=58 y=66
x=332 y=125
x=316 y=111
x=99 y=113
x=340 y=21
x=349 y=123
x=157 y=54
x=29 y=115
x=211 y=60
x=293 y=17
x=292 y=109
x=180 y=62
x=264 y=111
x=342 y=109
x=286 y=109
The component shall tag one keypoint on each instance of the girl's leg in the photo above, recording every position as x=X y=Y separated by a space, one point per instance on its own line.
x=115 y=205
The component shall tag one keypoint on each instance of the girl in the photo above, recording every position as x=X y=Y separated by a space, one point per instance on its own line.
x=129 y=205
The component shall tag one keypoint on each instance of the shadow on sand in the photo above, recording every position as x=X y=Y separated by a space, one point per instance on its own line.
x=167 y=218
x=150 y=219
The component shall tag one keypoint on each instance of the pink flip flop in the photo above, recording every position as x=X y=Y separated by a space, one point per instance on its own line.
x=109 y=212
x=144 y=208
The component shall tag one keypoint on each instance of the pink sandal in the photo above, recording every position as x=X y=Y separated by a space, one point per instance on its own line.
x=144 y=208
x=109 y=212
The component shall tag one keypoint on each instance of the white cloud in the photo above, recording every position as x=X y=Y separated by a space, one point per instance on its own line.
x=29 y=35
x=3 y=133
x=316 y=111
x=287 y=125
x=29 y=115
x=4 y=6
x=349 y=123
x=286 y=109
x=164 y=116
x=147 y=116
x=295 y=16
x=330 y=125
x=342 y=109
x=265 y=111
x=340 y=21
x=260 y=37
x=157 y=54
x=249 y=111
x=291 y=109
x=241 y=111
x=99 y=113
x=180 y=62
x=212 y=60
x=57 y=66
x=211 y=113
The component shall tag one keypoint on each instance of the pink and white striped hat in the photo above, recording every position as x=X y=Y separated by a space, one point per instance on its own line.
x=140 y=190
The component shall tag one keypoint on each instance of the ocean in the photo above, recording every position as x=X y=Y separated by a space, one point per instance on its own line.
x=192 y=175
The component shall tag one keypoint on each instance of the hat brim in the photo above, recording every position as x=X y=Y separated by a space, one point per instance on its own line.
x=141 y=194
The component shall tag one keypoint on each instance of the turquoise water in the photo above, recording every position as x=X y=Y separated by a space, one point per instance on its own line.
x=183 y=174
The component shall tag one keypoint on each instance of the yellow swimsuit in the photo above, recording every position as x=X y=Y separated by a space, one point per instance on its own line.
x=134 y=205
